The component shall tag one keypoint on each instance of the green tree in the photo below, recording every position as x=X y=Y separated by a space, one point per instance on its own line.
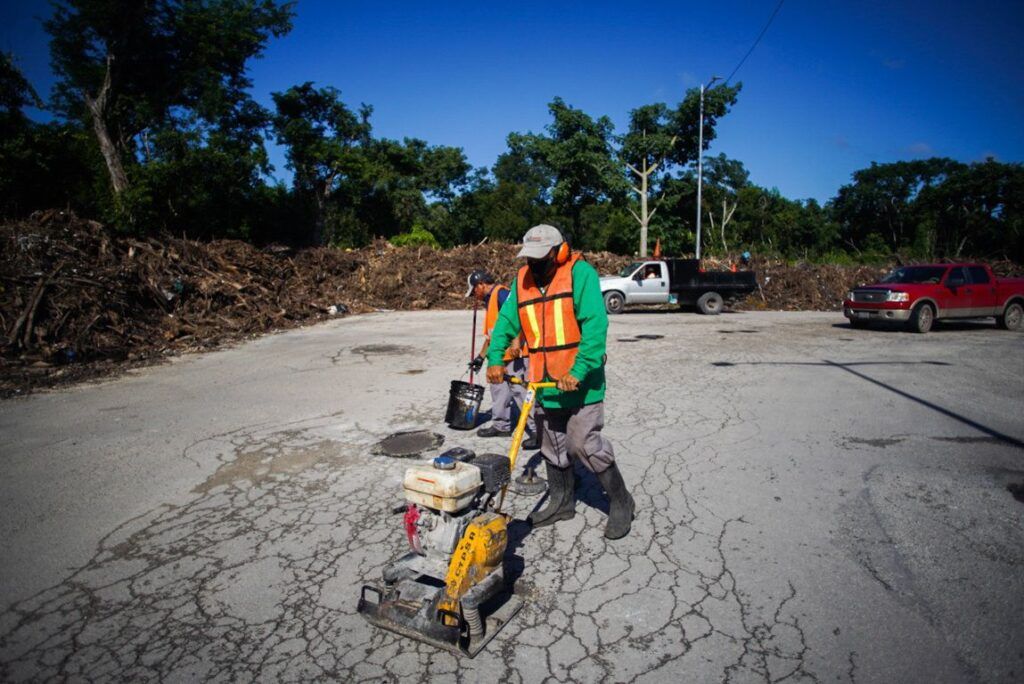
x=136 y=69
x=324 y=143
x=41 y=165
x=723 y=180
x=577 y=153
x=881 y=201
x=978 y=210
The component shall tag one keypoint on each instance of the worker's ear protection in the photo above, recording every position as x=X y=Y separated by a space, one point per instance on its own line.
x=562 y=255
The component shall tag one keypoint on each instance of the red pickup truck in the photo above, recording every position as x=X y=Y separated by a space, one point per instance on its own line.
x=920 y=295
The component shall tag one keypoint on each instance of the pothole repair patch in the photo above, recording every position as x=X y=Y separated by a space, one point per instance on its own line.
x=382 y=349
x=408 y=444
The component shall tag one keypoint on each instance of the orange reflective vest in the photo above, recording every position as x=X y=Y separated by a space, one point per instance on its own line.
x=491 y=315
x=548 y=320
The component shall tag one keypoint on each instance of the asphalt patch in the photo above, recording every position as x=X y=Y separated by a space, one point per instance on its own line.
x=383 y=350
x=881 y=443
x=408 y=443
x=637 y=338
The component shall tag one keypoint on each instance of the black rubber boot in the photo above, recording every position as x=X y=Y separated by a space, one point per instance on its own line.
x=621 y=508
x=561 y=497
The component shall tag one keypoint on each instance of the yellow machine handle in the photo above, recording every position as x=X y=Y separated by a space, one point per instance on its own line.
x=524 y=416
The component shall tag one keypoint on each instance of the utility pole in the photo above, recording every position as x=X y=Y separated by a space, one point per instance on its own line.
x=700 y=158
x=645 y=217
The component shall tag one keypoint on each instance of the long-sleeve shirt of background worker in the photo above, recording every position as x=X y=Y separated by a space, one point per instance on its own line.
x=590 y=358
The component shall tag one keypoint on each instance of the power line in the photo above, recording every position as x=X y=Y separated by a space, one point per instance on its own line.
x=756 y=41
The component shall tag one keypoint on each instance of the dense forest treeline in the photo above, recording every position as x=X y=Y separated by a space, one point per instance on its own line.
x=154 y=130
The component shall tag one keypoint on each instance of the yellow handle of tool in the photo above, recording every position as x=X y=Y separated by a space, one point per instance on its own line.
x=524 y=416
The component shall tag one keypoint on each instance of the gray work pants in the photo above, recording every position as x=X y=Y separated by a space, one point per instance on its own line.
x=504 y=396
x=575 y=433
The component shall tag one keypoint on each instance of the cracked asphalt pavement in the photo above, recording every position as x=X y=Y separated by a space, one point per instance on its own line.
x=815 y=503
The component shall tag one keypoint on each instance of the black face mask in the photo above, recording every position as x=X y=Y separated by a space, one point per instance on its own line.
x=541 y=269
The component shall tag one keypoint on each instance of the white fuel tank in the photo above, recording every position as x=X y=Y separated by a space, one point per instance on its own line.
x=449 y=490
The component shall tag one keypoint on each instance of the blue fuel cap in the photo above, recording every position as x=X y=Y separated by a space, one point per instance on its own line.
x=444 y=463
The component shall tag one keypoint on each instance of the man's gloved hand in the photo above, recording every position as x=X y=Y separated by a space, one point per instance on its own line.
x=495 y=374
x=477 y=363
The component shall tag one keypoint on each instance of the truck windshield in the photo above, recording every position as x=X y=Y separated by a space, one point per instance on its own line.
x=915 y=274
x=628 y=271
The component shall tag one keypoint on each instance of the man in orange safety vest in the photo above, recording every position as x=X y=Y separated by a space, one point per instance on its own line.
x=503 y=395
x=555 y=303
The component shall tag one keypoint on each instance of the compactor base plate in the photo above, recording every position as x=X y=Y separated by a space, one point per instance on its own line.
x=400 y=618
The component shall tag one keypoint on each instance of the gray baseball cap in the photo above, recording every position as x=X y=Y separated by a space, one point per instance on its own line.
x=539 y=240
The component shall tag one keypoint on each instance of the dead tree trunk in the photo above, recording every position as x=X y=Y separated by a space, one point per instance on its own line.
x=644 y=218
x=726 y=217
x=97 y=110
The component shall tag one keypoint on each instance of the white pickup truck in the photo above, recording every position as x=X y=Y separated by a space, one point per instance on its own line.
x=682 y=281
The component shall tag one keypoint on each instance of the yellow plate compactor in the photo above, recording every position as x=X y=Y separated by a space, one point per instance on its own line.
x=449 y=590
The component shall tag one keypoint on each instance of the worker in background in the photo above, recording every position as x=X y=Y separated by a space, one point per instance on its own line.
x=503 y=395
x=556 y=303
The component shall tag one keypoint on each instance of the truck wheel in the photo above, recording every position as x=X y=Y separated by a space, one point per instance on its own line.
x=858 y=323
x=921 y=319
x=614 y=302
x=1012 y=318
x=710 y=303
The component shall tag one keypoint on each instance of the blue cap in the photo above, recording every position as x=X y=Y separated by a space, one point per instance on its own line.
x=444 y=463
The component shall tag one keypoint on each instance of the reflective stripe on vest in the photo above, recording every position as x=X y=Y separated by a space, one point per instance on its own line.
x=549 y=321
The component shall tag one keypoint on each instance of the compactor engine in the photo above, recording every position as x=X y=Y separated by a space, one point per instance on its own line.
x=449 y=590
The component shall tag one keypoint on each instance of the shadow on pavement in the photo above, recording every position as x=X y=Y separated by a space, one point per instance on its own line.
x=848 y=367
x=938 y=327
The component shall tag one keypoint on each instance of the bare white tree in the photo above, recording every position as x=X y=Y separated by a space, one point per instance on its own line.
x=644 y=174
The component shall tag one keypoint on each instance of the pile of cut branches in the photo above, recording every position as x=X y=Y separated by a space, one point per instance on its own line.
x=78 y=301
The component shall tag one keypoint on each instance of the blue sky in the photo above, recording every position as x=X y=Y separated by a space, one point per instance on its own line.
x=831 y=87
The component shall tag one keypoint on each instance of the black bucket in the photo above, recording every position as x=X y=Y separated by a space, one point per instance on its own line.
x=463 y=405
